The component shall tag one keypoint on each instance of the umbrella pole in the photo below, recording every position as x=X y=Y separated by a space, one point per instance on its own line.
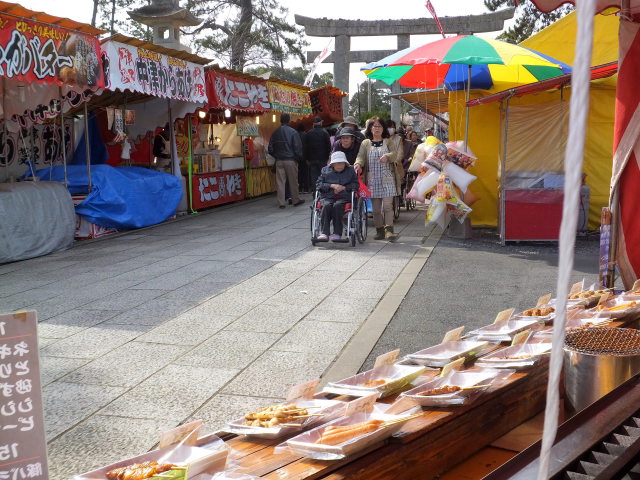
x=64 y=144
x=86 y=145
x=466 y=126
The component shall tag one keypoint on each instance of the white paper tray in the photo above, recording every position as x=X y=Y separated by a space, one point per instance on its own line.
x=397 y=376
x=496 y=359
x=465 y=378
x=440 y=355
x=617 y=313
x=199 y=460
x=304 y=444
x=503 y=331
x=330 y=408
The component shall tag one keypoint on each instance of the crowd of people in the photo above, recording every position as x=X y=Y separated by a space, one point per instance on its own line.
x=330 y=161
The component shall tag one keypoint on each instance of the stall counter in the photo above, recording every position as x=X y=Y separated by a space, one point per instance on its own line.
x=217 y=188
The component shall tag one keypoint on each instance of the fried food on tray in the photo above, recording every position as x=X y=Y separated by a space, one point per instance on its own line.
x=335 y=435
x=444 y=390
x=622 y=306
x=139 y=471
x=586 y=294
x=272 y=416
x=374 y=383
x=538 y=312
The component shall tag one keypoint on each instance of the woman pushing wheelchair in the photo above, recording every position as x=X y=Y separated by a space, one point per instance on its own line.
x=335 y=184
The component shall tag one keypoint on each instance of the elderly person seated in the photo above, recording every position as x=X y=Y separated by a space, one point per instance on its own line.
x=335 y=184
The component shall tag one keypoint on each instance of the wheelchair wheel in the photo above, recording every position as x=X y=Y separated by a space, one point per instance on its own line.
x=396 y=207
x=315 y=224
x=352 y=238
x=410 y=204
x=361 y=221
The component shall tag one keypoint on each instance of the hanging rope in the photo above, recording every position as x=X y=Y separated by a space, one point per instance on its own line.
x=574 y=152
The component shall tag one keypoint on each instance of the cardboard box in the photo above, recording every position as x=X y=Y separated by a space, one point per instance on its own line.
x=86 y=229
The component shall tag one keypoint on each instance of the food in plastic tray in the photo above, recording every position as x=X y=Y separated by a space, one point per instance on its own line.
x=440 y=355
x=618 y=308
x=456 y=388
x=344 y=436
x=543 y=314
x=395 y=378
x=515 y=356
x=196 y=460
x=321 y=409
x=504 y=331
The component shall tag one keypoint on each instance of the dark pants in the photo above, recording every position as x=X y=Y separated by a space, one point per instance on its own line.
x=314 y=173
x=303 y=177
x=333 y=210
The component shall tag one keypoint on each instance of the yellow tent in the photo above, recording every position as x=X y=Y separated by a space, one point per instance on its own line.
x=485 y=125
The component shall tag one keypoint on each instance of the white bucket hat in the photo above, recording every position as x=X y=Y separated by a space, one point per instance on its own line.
x=338 y=157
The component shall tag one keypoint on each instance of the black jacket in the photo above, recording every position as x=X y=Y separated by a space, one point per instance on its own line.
x=351 y=153
x=285 y=144
x=317 y=145
x=328 y=176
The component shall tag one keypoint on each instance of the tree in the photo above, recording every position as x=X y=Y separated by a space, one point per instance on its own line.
x=253 y=32
x=529 y=19
x=294 y=75
x=111 y=15
x=380 y=104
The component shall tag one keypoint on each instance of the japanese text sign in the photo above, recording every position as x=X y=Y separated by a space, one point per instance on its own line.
x=217 y=188
x=23 y=448
x=329 y=103
x=303 y=390
x=38 y=52
x=236 y=93
x=288 y=99
x=247 y=127
x=140 y=70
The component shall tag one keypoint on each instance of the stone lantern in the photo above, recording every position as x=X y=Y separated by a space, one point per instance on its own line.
x=166 y=17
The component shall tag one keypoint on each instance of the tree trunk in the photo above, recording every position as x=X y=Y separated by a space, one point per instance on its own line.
x=238 y=42
x=113 y=15
x=95 y=12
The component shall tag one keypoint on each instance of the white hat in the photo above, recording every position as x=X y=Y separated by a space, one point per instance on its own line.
x=338 y=157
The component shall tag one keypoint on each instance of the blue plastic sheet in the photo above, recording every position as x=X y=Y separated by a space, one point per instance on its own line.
x=121 y=197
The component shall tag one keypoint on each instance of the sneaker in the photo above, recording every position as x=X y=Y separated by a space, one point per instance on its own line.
x=281 y=206
x=335 y=237
x=299 y=202
x=322 y=238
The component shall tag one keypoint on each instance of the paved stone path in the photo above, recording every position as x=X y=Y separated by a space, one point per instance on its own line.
x=205 y=317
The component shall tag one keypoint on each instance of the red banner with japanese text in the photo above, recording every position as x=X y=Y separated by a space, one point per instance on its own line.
x=217 y=188
x=234 y=93
x=37 y=52
x=326 y=102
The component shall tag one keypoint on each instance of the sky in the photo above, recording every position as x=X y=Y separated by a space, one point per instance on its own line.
x=80 y=10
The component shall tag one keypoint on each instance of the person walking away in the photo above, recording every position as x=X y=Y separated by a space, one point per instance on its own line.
x=286 y=148
x=317 y=148
x=335 y=184
x=347 y=143
x=304 y=183
x=377 y=159
x=351 y=122
x=410 y=145
x=162 y=150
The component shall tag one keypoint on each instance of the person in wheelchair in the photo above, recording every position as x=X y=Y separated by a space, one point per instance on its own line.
x=335 y=184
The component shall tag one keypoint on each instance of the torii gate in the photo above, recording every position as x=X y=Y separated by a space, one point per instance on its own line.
x=343 y=30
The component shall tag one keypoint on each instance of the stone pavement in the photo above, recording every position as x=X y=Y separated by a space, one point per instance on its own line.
x=206 y=317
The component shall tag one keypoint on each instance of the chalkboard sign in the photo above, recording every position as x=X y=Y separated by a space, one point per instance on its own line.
x=23 y=446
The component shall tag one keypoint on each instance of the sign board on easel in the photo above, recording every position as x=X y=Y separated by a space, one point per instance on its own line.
x=23 y=445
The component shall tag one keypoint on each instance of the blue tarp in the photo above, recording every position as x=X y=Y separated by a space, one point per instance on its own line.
x=121 y=197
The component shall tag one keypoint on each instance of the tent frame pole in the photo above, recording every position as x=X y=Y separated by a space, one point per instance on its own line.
x=63 y=141
x=468 y=94
x=503 y=168
x=87 y=147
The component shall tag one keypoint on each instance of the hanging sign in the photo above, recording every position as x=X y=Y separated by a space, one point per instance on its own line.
x=288 y=99
x=216 y=188
x=37 y=52
x=144 y=71
x=238 y=94
x=326 y=102
x=246 y=127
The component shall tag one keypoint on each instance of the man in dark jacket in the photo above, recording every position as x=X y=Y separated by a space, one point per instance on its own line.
x=348 y=143
x=335 y=183
x=286 y=148
x=317 y=148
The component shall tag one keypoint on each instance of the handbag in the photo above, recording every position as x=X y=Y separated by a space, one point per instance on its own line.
x=363 y=190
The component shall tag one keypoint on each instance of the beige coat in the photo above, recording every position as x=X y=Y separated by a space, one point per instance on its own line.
x=392 y=157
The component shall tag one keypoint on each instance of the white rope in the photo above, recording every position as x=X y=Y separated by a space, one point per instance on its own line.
x=573 y=178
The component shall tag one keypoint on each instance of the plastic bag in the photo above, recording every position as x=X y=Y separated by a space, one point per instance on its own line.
x=437 y=213
x=425 y=184
x=457 y=154
x=459 y=176
x=363 y=190
x=444 y=189
x=437 y=157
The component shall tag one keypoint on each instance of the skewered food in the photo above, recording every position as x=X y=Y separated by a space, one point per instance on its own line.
x=335 y=435
x=538 y=312
x=374 y=383
x=139 y=471
x=622 y=306
x=444 y=390
x=274 y=415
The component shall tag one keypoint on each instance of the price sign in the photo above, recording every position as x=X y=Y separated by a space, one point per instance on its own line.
x=453 y=335
x=504 y=315
x=544 y=300
x=520 y=338
x=361 y=405
x=401 y=405
x=577 y=287
x=186 y=434
x=455 y=365
x=604 y=297
x=388 y=358
x=23 y=446
x=303 y=390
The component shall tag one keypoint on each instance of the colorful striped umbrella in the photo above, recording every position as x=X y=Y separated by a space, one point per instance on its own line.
x=448 y=61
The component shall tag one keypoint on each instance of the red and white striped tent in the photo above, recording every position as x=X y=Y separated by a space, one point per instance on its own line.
x=625 y=178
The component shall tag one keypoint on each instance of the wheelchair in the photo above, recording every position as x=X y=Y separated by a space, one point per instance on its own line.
x=354 y=220
x=401 y=200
